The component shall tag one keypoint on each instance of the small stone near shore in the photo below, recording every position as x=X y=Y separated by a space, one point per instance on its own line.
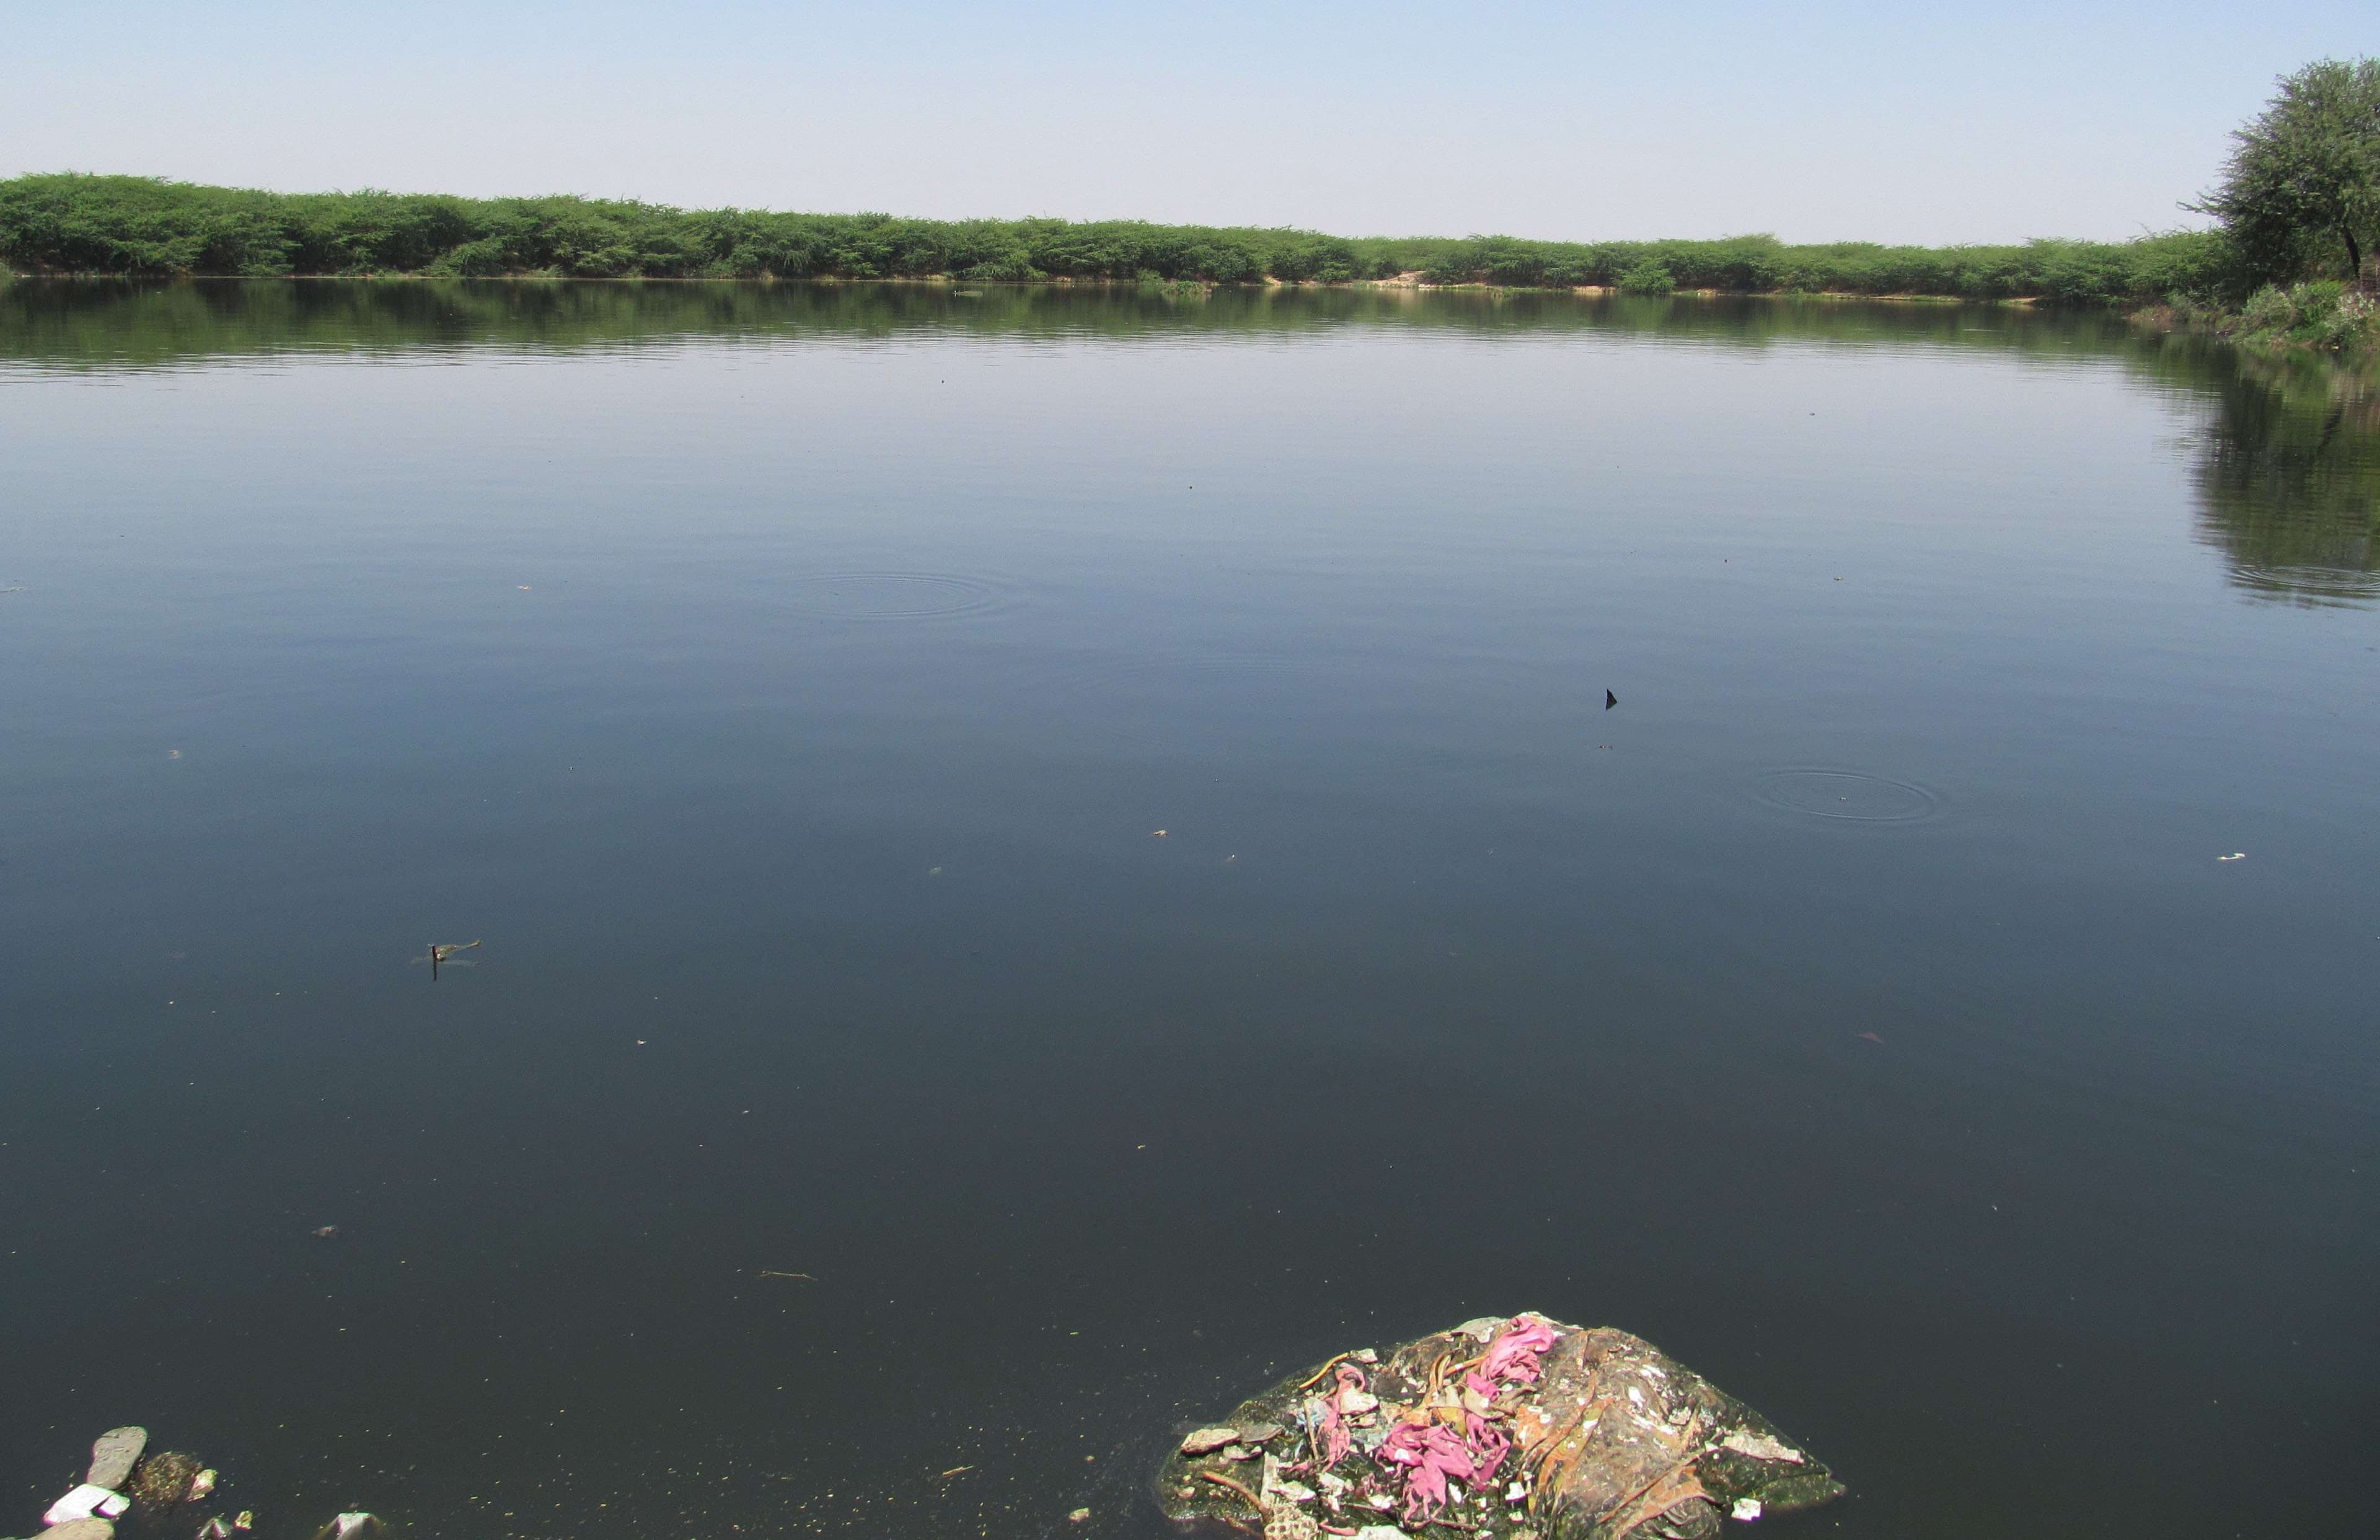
x=1208 y=1439
x=81 y=1529
x=115 y=1454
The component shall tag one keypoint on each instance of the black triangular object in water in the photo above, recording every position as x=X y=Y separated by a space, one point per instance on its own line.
x=1609 y=700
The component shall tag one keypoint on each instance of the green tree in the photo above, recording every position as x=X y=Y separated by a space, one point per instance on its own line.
x=2306 y=173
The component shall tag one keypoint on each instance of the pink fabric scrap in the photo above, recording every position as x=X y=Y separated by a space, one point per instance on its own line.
x=1487 y=1445
x=1336 y=1439
x=1432 y=1455
x=1513 y=1354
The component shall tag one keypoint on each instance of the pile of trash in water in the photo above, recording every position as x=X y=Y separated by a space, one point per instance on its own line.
x=165 y=1493
x=1523 y=1428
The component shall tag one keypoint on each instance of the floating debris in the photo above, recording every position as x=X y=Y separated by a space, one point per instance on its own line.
x=163 y=1483
x=353 y=1526
x=85 y=1501
x=1578 y=1434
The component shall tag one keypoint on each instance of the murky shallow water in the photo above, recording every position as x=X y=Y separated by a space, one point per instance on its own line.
x=788 y=684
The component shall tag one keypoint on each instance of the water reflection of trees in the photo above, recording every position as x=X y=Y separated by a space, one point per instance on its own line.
x=2287 y=469
x=2286 y=461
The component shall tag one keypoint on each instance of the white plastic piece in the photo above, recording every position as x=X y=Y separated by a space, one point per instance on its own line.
x=84 y=1501
x=350 y=1522
x=1759 y=1445
x=1746 y=1509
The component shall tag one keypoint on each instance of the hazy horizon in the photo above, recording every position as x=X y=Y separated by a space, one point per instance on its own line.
x=1846 y=122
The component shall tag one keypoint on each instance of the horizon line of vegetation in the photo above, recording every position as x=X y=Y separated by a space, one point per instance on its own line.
x=76 y=224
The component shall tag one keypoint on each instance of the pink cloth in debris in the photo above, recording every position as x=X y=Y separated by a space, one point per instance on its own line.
x=1513 y=1354
x=1336 y=1439
x=1432 y=1455
x=1487 y=1445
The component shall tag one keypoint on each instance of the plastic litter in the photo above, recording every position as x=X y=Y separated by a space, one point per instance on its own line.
x=1576 y=1433
x=83 y=1502
x=353 y=1526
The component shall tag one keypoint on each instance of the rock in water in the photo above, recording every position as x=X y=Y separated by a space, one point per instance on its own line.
x=1604 y=1436
x=113 y=1457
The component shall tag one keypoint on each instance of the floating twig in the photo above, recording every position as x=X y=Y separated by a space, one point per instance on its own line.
x=1326 y=1369
x=1222 y=1480
x=772 y=1272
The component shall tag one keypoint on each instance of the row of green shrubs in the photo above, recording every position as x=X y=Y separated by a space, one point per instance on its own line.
x=143 y=226
x=2329 y=315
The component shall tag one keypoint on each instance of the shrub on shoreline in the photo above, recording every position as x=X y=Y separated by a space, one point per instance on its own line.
x=147 y=227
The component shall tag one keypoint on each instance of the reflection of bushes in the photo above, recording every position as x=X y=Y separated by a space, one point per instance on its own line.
x=2287 y=473
x=81 y=323
x=2287 y=466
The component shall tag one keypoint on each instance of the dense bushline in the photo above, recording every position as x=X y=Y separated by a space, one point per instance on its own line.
x=2325 y=316
x=142 y=226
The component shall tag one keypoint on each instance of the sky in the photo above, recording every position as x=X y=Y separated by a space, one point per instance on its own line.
x=1847 y=120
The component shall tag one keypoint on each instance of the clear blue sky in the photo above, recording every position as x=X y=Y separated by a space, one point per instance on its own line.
x=1815 y=121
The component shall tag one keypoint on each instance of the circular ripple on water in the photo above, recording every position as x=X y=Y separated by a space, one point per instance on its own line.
x=1849 y=795
x=892 y=595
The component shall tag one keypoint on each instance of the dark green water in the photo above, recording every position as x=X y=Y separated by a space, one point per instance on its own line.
x=786 y=683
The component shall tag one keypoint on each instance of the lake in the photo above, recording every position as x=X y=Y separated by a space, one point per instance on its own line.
x=1085 y=825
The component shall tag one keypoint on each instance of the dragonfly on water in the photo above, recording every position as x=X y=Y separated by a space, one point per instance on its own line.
x=444 y=953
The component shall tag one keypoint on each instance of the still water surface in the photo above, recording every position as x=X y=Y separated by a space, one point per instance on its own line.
x=788 y=683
